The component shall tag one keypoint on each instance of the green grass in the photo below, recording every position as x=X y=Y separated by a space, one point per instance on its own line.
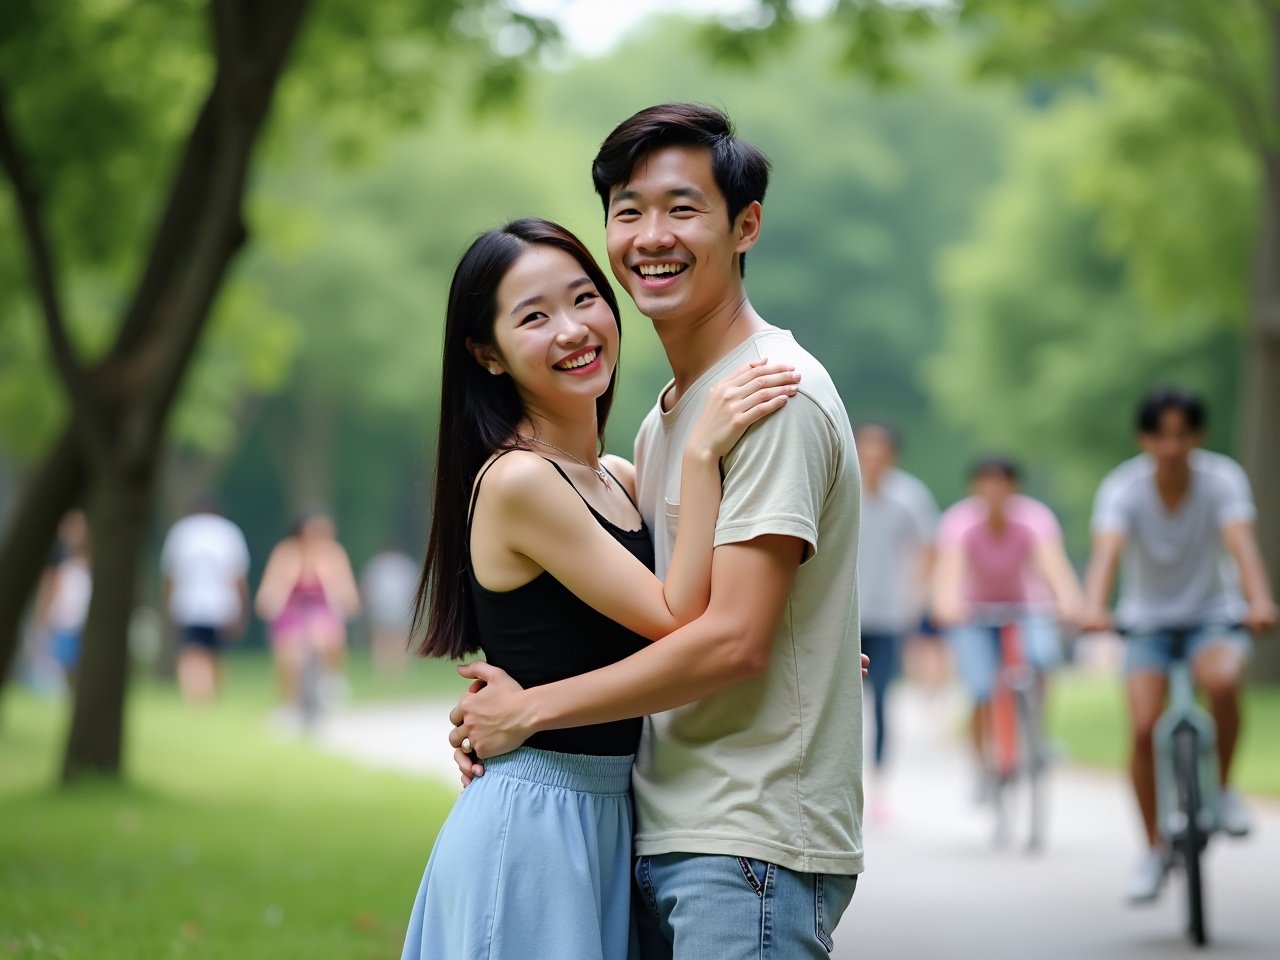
x=223 y=842
x=1087 y=712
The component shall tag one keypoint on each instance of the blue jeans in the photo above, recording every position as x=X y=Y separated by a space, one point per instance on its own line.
x=883 y=649
x=977 y=651
x=690 y=906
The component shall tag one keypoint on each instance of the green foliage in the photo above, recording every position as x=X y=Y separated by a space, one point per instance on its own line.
x=1175 y=188
x=1047 y=343
x=101 y=136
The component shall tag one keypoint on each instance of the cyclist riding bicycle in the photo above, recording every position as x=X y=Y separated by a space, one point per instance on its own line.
x=1165 y=517
x=998 y=547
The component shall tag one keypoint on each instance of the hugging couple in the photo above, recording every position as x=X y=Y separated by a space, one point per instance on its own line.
x=710 y=588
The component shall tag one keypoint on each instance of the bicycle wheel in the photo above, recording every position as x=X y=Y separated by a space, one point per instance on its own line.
x=1191 y=842
x=1031 y=733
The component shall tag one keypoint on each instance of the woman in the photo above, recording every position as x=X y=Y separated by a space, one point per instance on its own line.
x=307 y=593
x=538 y=556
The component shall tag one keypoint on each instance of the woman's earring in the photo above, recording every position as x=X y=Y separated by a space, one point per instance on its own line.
x=494 y=370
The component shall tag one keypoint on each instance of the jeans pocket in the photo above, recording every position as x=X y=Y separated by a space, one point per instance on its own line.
x=756 y=873
x=831 y=896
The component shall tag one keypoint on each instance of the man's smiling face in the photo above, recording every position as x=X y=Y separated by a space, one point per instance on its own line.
x=670 y=241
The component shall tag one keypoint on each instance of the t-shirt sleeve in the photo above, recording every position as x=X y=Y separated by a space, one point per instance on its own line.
x=955 y=523
x=924 y=512
x=1235 y=497
x=1044 y=525
x=777 y=478
x=1110 y=506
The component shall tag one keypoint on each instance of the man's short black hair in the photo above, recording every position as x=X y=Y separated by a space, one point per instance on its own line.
x=741 y=171
x=1158 y=400
x=995 y=465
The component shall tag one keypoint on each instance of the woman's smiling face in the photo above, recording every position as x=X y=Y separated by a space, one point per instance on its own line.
x=554 y=334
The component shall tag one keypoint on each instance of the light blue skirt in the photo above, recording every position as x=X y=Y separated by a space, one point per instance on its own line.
x=533 y=863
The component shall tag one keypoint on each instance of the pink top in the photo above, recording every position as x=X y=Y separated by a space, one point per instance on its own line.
x=1000 y=567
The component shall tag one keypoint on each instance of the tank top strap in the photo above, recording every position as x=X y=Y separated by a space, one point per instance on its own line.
x=560 y=471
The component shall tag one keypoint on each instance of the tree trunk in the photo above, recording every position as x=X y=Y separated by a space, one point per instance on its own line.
x=1261 y=407
x=1261 y=391
x=140 y=379
x=118 y=507
x=53 y=489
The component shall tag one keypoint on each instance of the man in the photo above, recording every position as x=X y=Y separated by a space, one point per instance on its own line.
x=748 y=782
x=998 y=548
x=1167 y=515
x=205 y=562
x=895 y=559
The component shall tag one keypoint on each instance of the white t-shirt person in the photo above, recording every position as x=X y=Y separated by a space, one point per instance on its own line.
x=896 y=530
x=205 y=557
x=770 y=768
x=1174 y=571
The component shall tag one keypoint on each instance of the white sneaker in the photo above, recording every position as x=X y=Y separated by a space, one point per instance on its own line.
x=1148 y=876
x=1232 y=813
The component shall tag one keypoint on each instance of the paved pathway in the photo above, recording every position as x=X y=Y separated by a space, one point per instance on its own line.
x=935 y=886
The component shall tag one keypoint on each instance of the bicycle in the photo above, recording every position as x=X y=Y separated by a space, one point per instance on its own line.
x=1185 y=744
x=1017 y=746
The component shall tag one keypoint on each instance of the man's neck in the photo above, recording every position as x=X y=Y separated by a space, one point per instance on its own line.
x=871 y=481
x=1173 y=483
x=694 y=347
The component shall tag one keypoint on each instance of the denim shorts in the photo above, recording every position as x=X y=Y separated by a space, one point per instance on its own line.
x=1152 y=652
x=207 y=638
x=977 y=651
x=692 y=906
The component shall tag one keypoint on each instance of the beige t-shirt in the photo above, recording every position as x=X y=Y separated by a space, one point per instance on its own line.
x=770 y=768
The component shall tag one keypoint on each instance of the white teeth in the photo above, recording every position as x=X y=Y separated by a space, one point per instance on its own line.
x=581 y=361
x=659 y=269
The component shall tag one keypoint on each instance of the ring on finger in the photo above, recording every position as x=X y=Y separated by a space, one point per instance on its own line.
x=466 y=744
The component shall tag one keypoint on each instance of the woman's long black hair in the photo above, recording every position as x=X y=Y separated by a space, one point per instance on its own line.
x=478 y=416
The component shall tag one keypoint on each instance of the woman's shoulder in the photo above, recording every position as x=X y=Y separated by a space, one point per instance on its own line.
x=517 y=479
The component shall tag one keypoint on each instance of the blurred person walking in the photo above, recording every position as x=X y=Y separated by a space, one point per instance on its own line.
x=538 y=556
x=306 y=596
x=205 y=562
x=1000 y=548
x=1178 y=523
x=62 y=600
x=895 y=561
x=387 y=585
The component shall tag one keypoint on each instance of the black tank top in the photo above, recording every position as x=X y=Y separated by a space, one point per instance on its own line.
x=541 y=632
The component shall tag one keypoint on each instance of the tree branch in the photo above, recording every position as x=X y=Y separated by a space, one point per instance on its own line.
x=43 y=269
x=187 y=206
x=159 y=356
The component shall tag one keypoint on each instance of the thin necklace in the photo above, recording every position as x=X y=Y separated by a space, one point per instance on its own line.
x=598 y=470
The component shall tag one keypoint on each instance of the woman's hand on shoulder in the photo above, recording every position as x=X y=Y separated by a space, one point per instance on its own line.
x=748 y=395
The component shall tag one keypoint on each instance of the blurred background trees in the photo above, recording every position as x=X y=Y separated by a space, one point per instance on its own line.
x=1048 y=209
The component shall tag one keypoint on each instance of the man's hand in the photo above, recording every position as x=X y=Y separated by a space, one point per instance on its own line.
x=493 y=719
x=1261 y=617
x=866 y=662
